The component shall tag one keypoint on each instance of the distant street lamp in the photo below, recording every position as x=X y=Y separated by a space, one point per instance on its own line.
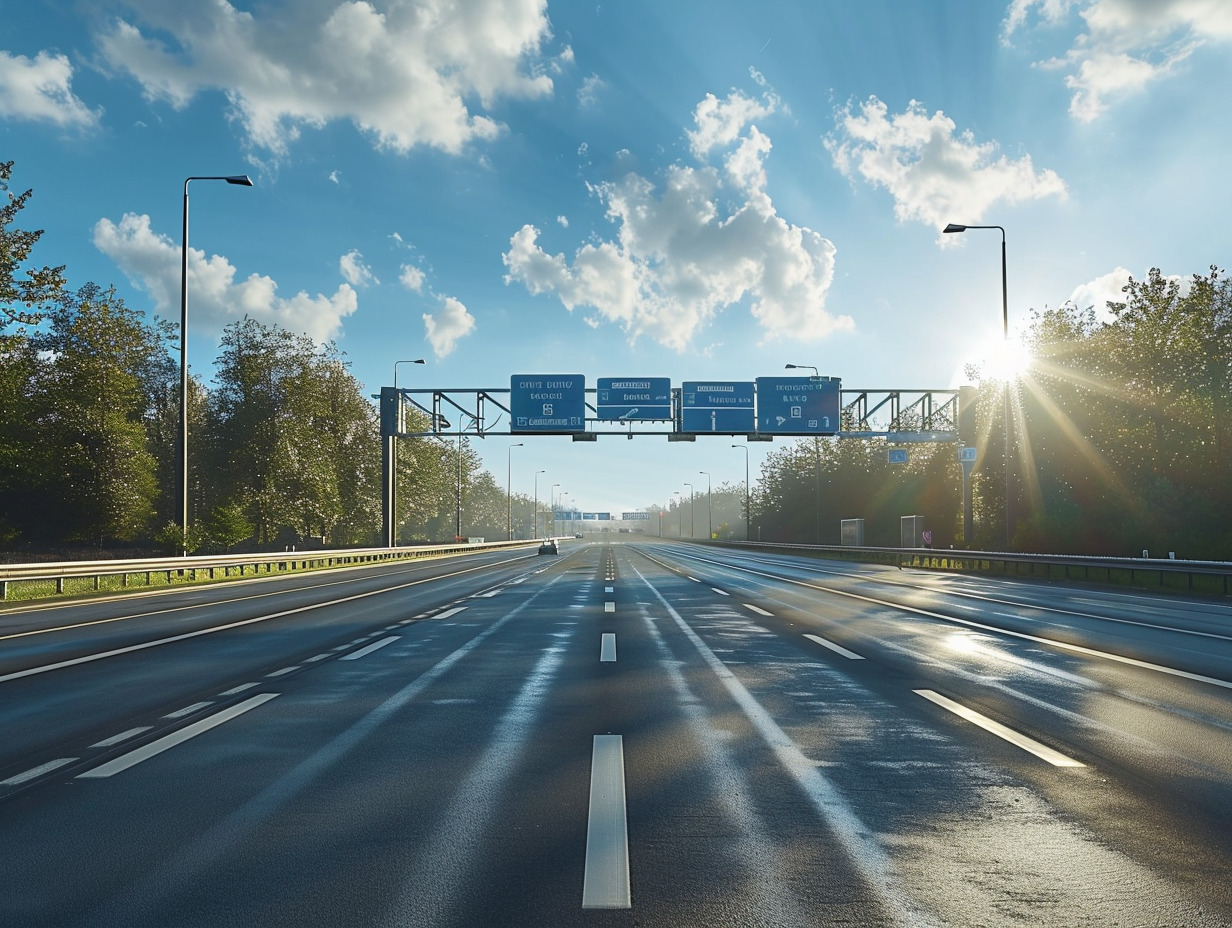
x=803 y=367
x=1005 y=407
x=709 y=507
x=552 y=507
x=679 y=514
x=537 y=473
x=240 y=180
x=748 y=516
x=692 y=496
x=509 y=487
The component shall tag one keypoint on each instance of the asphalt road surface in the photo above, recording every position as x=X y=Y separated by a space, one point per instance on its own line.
x=625 y=734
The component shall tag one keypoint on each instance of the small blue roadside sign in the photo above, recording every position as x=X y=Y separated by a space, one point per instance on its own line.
x=798 y=405
x=634 y=399
x=968 y=455
x=722 y=407
x=548 y=403
x=896 y=455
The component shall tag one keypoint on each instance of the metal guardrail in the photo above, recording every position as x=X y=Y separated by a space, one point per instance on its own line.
x=142 y=571
x=1210 y=577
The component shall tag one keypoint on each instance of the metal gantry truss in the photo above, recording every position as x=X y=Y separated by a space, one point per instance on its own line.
x=893 y=414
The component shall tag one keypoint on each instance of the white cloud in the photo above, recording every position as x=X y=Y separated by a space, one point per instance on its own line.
x=335 y=177
x=563 y=221
x=405 y=73
x=1125 y=45
x=152 y=262
x=1097 y=293
x=588 y=93
x=354 y=271
x=411 y=277
x=40 y=90
x=450 y=324
x=678 y=258
x=934 y=175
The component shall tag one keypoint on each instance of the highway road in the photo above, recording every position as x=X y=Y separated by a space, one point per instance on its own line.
x=629 y=733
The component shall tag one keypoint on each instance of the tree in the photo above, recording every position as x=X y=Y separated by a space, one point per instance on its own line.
x=24 y=292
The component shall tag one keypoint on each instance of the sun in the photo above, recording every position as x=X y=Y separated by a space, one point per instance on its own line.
x=1004 y=359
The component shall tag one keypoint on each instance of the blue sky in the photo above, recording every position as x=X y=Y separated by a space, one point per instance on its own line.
x=693 y=190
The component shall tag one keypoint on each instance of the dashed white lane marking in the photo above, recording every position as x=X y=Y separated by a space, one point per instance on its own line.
x=1018 y=739
x=38 y=771
x=318 y=657
x=720 y=592
x=187 y=710
x=609 y=589
x=236 y=690
x=836 y=648
x=606 y=881
x=694 y=579
x=487 y=595
x=132 y=758
x=757 y=609
x=122 y=736
x=375 y=646
x=279 y=673
x=609 y=606
x=607 y=647
x=449 y=612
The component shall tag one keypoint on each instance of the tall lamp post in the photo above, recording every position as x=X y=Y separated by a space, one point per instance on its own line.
x=679 y=514
x=240 y=180
x=509 y=486
x=692 y=497
x=552 y=507
x=748 y=516
x=709 y=507
x=1005 y=406
x=392 y=456
x=537 y=473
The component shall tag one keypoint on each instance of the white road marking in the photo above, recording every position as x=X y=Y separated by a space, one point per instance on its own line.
x=375 y=646
x=609 y=589
x=606 y=881
x=487 y=595
x=609 y=606
x=449 y=612
x=757 y=609
x=720 y=592
x=279 y=673
x=187 y=710
x=236 y=690
x=37 y=771
x=607 y=647
x=1041 y=751
x=122 y=736
x=694 y=579
x=132 y=758
x=836 y=648
x=318 y=657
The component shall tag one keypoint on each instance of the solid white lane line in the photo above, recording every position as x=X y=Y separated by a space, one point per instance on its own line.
x=609 y=606
x=836 y=648
x=187 y=710
x=607 y=647
x=606 y=881
x=37 y=771
x=375 y=646
x=1041 y=751
x=122 y=736
x=236 y=690
x=145 y=752
x=449 y=612
x=757 y=609
x=279 y=673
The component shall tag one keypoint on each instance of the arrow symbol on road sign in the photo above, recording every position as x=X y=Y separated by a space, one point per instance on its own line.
x=632 y=412
x=779 y=420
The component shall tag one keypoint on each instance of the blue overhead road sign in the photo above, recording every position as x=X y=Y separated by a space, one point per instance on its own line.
x=717 y=407
x=547 y=402
x=630 y=399
x=798 y=405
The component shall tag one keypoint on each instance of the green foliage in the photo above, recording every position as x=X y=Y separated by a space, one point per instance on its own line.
x=227 y=526
x=24 y=291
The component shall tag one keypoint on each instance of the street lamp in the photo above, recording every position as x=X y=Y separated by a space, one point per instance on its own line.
x=802 y=367
x=509 y=486
x=1005 y=335
x=709 y=507
x=240 y=180
x=552 y=507
x=748 y=516
x=692 y=495
x=679 y=514
x=537 y=473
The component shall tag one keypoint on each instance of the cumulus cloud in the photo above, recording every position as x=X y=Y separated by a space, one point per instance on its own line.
x=1125 y=44
x=152 y=261
x=1099 y=292
x=405 y=73
x=354 y=271
x=40 y=89
x=934 y=175
x=411 y=277
x=704 y=240
x=450 y=324
x=588 y=93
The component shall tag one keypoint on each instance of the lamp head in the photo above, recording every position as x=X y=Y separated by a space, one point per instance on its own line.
x=954 y=227
x=241 y=180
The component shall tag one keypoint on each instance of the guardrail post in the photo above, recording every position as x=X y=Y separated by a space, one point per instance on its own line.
x=59 y=584
x=4 y=590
